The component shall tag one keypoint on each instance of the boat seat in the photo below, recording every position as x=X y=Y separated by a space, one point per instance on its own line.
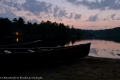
x=30 y=50
x=48 y=49
x=7 y=51
x=45 y=50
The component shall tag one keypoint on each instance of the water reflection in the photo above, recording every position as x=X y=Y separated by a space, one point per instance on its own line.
x=94 y=51
x=17 y=39
x=102 y=48
x=99 y=47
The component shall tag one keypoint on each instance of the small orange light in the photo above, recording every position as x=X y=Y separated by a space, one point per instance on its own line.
x=17 y=33
x=17 y=39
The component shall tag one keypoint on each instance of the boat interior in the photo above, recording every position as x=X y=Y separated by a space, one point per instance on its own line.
x=20 y=50
x=31 y=50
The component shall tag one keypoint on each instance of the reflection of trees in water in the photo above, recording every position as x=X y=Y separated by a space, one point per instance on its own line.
x=18 y=39
x=107 y=38
x=94 y=51
x=97 y=51
x=74 y=39
x=49 y=42
x=56 y=41
x=11 y=40
x=60 y=41
x=112 y=53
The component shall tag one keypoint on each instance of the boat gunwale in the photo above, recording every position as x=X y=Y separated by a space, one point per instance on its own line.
x=48 y=49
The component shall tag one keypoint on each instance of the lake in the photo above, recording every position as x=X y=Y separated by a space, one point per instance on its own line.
x=101 y=46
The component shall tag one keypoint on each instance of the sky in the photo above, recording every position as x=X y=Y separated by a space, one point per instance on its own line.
x=83 y=14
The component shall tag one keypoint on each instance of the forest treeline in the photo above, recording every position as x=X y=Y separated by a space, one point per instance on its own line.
x=48 y=28
x=101 y=32
x=106 y=32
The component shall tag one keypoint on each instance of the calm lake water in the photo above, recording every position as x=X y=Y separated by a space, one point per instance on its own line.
x=102 y=48
x=107 y=47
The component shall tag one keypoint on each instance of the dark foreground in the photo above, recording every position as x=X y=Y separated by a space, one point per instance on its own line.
x=88 y=68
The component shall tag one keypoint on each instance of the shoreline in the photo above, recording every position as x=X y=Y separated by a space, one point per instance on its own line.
x=92 y=68
x=103 y=58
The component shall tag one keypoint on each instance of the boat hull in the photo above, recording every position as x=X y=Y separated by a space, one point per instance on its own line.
x=44 y=55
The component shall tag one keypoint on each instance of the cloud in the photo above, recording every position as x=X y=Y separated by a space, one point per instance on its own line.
x=12 y=3
x=93 y=18
x=55 y=12
x=98 y=4
x=112 y=16
x=36 y=6
x=8 y=14
x=118 y=19
x=105 y=19
x=77 y=16
x=39 y=9
x=28 y=14
x=62 y=13
x=71 y=15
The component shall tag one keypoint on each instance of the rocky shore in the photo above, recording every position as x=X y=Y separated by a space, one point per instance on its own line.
x=89 y=68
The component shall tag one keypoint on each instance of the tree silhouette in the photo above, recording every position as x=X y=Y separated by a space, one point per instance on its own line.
x=5 y=25
x=45 y=29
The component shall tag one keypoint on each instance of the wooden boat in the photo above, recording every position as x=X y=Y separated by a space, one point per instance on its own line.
x=23 y=56
x=22 y=45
